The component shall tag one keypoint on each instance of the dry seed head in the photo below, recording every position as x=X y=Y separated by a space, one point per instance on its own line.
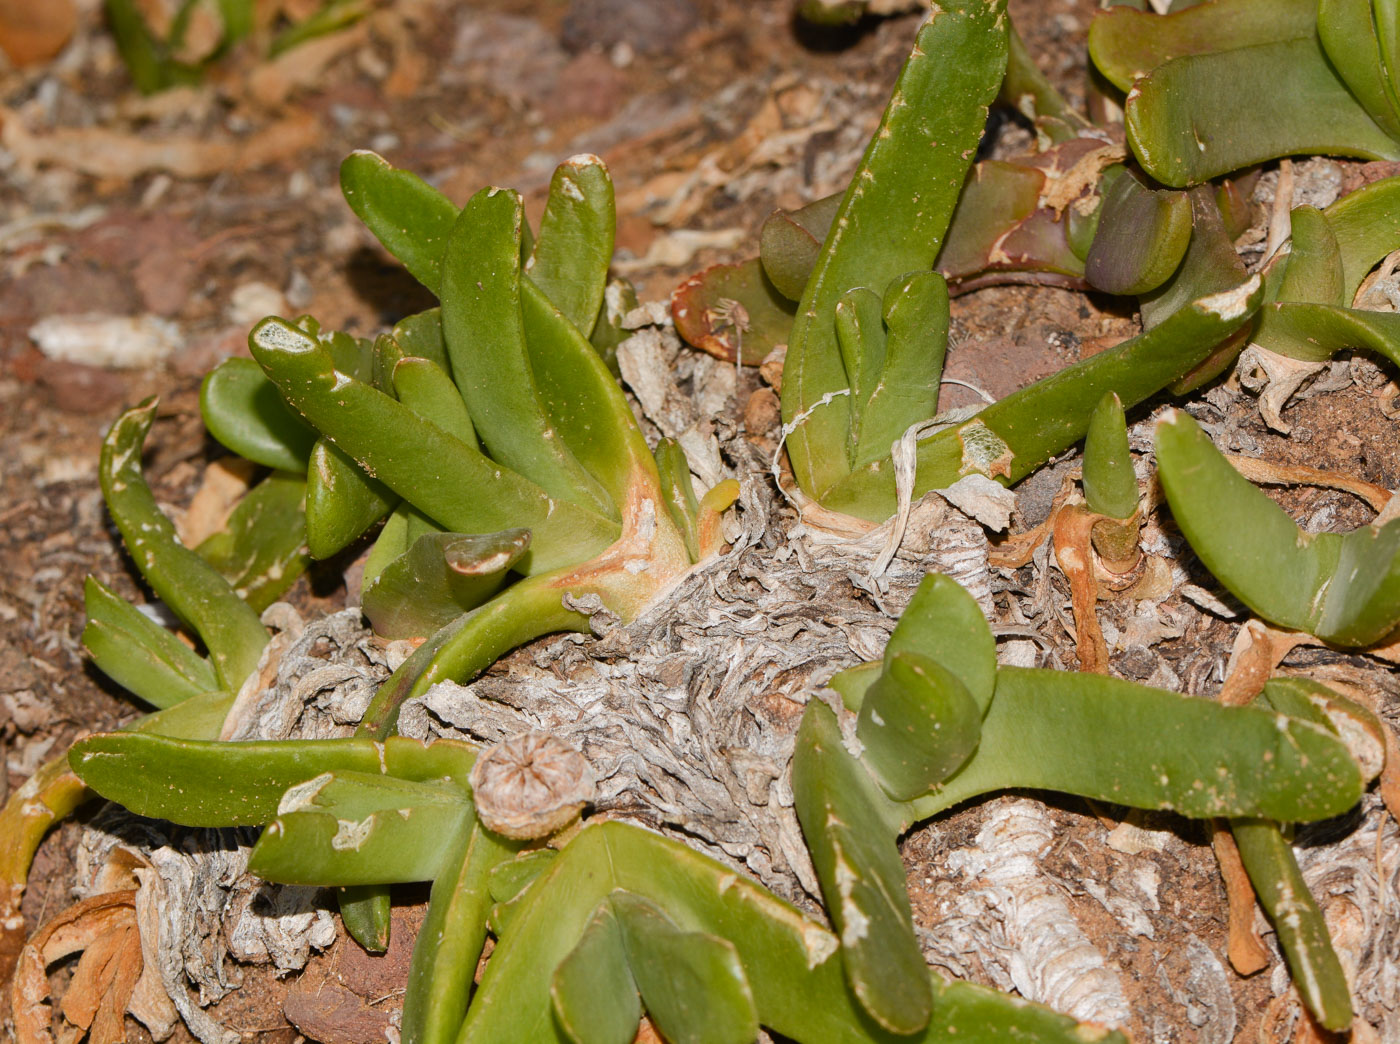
x=531 y=785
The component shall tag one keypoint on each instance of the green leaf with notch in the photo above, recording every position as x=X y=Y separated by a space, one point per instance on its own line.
x=692 y=983
x=892 y=219
x=440 y=577
x=409 y=455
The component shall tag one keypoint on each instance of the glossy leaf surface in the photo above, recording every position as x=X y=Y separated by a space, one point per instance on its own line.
x=595 y=999
x=354 y=828
x=485 y=335
x=342 y=501
x=261 y=549
x=575 y=245
x=1302 y=932
x=242 y=409
x=409 y=455
x=411 y=218
x=945 y=623
x=905 y=390
x=449 y=944
x=1188 y=120
x=1110 y=486
x=440 y=577
x=1126 y=44
x=791 y=241
x=918 y=724
x=692 y=984
x=1142 y=236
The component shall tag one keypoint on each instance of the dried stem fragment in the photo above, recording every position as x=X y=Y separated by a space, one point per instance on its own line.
x=531 y=785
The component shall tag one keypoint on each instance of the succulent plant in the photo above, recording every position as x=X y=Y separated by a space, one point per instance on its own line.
x=160 y=50
x=517 y=495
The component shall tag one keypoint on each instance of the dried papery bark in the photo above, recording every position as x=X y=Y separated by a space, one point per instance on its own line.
x=1014 y=918
x=687 y=716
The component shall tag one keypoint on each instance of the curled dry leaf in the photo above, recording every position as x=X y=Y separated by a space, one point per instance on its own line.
x=1269 y=473
x=104 y=929
x=1246 y=950
x=531 y=785
x=1074 y=553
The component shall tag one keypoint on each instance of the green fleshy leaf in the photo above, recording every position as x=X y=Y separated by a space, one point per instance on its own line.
x=943 y=622
x=411 y=218
x=1011 y=438
x=1110 y=486
x=241 y=408
x=1126 y=44
x=420 y=336
x=440 y=577
x=1367 y=226
x=342 y=501
x=906 y=389
x=892 y=219
x=485 y=334
x=193 y=589
x=1316 y=332
x=139 y=654
x=846 y=822
x=678 y=491
x=409 y=455
x=355 y=828
x=918 y=724
x=692 y=983
x=791 y=241
x=367 y=913
x=860 y=335
x=586 y=408
x=787 y=959
x=1152 y=749
x=1142 y=237
x=212 y=783
x=595 y=999
x=1197 y=117
x=1302 y=932
x=1348 y=34
x=570 y=259
x=449 y=944
x=261 y=549
x=1343 y=588
x=425 y=388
